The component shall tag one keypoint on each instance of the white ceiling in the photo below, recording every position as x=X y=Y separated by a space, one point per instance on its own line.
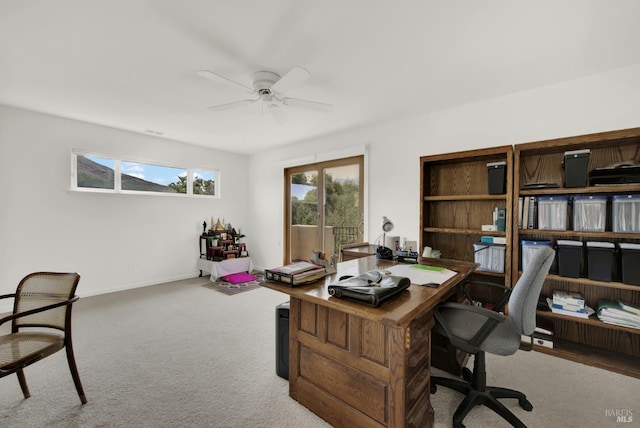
x=132 y=64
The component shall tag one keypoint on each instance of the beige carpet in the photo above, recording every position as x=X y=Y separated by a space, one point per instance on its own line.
x=179 y=355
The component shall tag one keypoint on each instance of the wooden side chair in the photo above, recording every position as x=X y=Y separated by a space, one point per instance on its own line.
x=40 y=325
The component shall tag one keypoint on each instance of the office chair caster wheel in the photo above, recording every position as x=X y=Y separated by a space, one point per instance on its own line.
x=434 y=388
x=467 y=374
x=526 y=405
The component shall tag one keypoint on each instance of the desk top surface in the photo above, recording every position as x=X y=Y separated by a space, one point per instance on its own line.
x=364 y=248
x=400 y=310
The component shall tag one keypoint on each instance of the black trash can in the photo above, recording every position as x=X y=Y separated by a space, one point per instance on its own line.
x=282 y=340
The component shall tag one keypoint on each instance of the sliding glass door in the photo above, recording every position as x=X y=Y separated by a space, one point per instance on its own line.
x=324 y=207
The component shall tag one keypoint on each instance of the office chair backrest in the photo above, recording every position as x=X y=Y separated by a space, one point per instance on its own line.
x=41 y=289
x=524 y=298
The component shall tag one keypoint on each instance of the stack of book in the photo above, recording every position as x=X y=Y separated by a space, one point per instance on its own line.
x=619 y=313
x=527 y=212
x=297 y=273
x=569 y=303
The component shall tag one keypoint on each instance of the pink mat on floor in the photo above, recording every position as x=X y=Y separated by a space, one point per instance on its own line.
x=237 y=278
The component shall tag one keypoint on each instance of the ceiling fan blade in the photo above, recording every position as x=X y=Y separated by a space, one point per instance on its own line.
x=232 y=105
x=312 y=105
x=277 y=113
x=221 y=79
x=295 y=76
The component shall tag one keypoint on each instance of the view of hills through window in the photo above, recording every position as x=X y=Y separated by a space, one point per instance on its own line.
x=98 y=173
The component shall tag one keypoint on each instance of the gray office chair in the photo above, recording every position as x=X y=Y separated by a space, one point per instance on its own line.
x=477 y=330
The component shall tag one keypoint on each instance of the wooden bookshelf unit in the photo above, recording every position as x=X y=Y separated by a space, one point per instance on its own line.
x=589 y=341
x=454 y=204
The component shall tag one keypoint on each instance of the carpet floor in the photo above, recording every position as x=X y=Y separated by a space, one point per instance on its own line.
x=178 y=355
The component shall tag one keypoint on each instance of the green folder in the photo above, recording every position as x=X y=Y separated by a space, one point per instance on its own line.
x=427 y=267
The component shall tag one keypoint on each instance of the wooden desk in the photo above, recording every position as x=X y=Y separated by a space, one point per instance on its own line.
x=356 y=366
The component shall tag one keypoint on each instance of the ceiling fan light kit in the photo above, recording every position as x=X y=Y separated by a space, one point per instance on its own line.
x=269 y=88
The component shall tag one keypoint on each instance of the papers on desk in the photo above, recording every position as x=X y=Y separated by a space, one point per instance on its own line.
x=297 y=268
x=428 y=276
x=297 y=273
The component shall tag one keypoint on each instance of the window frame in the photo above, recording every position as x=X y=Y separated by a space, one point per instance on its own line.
x=117 y=179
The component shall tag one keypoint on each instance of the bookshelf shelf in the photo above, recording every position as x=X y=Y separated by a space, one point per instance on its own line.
x=591 y=282
x=596 y=357
x=592 y=320
x=574 y=233
x=626 y=188
x=466 y=198
x=464 y=231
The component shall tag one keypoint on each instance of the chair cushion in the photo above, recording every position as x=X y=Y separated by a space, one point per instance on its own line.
x=20 y=349
x=503 y=340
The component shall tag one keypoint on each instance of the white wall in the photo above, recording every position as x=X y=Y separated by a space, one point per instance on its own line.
x=114 y=241
x=597 y=103
x=117 y=242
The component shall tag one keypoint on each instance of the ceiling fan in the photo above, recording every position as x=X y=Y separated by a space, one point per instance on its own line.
x=269 y=88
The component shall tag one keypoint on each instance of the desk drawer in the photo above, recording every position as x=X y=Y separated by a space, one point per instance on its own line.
x=417 y=385
x=421 y=329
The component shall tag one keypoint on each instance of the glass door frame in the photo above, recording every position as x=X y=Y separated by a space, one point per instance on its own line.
x=319 y=168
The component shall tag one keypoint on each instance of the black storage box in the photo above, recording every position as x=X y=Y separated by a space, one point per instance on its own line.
x=497 y=177
x=600 y=260
x=282 y=340
x=630 y=255
x=569 y=258
x=576 y=168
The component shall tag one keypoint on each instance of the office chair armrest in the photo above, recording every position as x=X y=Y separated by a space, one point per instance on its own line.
x=37 y=310
x=499 y=306
x=493 y=319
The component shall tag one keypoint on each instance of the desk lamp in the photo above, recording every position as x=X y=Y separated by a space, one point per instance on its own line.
x=383 y=252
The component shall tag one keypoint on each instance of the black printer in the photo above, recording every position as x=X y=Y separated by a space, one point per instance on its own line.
x=626 y=172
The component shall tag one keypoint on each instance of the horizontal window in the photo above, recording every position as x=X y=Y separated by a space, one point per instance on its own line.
x=145 y=177
x=204 y=183
x=98 y=173
x=95 y=172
